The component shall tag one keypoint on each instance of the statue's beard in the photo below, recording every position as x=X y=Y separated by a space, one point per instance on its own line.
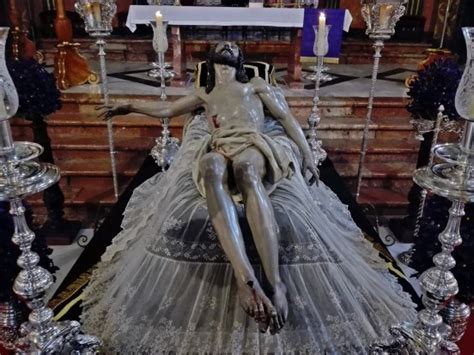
x=225 y=57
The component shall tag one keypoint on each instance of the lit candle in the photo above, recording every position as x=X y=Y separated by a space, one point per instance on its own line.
x=321 y=33
x=385 y=15
x=89 y=14
x=159 y=18
x=96 y=11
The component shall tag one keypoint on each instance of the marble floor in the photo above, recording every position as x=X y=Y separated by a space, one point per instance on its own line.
x=347 y=81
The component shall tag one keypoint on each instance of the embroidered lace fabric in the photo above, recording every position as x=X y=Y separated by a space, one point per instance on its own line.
x=165 y=286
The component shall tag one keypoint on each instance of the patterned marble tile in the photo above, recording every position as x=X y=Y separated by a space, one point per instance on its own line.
x=348 y=81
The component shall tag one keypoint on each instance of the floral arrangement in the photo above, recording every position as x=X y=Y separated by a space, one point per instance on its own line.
x=435 y=85
x=37 y=90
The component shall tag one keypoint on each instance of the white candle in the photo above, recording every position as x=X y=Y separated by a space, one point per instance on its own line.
x=159 y=18
x=386 y=12
x=89 y=14
x=321 y=33
x=97 y=15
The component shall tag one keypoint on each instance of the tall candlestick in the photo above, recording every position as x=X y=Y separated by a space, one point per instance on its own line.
x=386 y=12
x=321 y=33
x=159 y=18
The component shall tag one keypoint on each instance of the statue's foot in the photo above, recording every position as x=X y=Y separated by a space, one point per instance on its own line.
x=277 y=320
x=254 y=301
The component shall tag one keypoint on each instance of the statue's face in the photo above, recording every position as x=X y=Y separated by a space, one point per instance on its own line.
x=227 y=50
x=226 y=59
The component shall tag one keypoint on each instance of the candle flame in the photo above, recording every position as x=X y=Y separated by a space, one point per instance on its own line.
x=158 y=14
x=322 y=16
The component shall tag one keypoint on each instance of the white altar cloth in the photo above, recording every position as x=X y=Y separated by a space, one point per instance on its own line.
x=220 y=16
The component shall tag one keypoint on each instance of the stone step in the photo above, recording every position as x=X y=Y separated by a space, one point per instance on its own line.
x=88 y=125
x=81 y=172
x=86 y=204
x=378 y=150
x=361 y=52
x=300 y=106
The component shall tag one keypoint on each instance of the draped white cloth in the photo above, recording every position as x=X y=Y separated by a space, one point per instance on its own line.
x=165 y=285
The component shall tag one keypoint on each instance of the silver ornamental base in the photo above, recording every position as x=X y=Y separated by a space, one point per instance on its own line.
x=456 y=315
x=10 y=318
x=161 y=70
x=325 y=77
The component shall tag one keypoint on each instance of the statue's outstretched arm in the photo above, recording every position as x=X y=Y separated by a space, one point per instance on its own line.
x=181 y=106
x=280 y=110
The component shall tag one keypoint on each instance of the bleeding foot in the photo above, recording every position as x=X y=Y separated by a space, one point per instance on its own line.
x=277 y=320
x=254 y=301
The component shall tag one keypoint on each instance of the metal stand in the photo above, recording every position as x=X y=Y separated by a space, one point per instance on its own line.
x=105 y=97
x=20 y=176
x=452 y=178
x=166 y=146
x=378 y=46
x=97 y=15
x=381 y=16
x=314 y=119
x=406 y=256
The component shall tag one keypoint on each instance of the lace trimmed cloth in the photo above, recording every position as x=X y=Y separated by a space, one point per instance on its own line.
x=166 y=287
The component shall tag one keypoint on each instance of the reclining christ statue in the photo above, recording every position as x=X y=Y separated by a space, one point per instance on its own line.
x=237 y=220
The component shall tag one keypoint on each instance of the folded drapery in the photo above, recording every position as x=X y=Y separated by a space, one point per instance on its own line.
x=165 y=285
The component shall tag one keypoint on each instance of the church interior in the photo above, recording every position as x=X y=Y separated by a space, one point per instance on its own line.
x=96 y=168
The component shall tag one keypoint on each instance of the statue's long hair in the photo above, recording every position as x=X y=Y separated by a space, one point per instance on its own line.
x=212 y=59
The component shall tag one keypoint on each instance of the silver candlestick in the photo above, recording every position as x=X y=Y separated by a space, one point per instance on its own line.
x=161 y=71
x=320 y=50
x=97 y=16
x=381 y=16
x=422 y=126
x=20 y=176
x=166 y=146
x=406 y=256
x=453 y=178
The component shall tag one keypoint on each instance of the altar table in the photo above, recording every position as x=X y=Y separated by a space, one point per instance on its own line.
x=215 y=16
x=227 y=16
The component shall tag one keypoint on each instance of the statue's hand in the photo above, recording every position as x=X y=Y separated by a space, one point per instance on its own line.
x=309 y=165
x=107 y=112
